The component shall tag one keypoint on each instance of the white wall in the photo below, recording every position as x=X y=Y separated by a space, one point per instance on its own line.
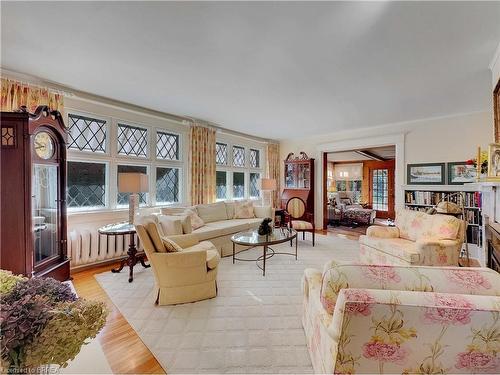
x=446 y=139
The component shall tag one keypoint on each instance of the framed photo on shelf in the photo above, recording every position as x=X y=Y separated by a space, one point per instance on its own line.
x=494 y=161
x=426 y=174
x=460 y=173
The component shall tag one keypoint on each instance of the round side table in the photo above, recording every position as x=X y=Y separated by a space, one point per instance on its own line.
x=122 y=229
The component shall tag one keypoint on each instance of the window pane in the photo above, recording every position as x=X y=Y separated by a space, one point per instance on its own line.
x=86 y=184
x=238 y=156
x=132 y=140
x=167 y=185
x=254 y=158
x=238 y=185
x=86 y=134
x=254 y=185
x=167 y=146
x=221 y=184
x=220 y=153
x=122 y=198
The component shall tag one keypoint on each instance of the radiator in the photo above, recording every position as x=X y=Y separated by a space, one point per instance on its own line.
x=86 y=246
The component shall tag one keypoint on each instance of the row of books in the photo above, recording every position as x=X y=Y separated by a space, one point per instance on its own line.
x=472 y=216
x=431 y=198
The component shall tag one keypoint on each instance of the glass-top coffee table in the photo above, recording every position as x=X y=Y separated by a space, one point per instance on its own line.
x=253 y=239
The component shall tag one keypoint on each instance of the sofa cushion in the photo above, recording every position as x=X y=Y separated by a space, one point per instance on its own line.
x=244 y=210
x=170 y=225
x=212 y=212
x=154 y=234
x=398 y=247
x=229 y=226
x=229 y=209
x=207 y=232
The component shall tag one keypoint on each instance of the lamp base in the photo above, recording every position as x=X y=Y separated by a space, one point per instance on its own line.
x=132 y=207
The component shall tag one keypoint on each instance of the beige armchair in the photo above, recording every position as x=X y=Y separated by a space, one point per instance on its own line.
x=183 y=276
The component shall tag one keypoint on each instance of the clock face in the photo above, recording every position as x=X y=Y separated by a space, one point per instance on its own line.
x=44 y=145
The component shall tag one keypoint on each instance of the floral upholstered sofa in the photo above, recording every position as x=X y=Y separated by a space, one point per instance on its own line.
x=402 y=319
x=417 y=239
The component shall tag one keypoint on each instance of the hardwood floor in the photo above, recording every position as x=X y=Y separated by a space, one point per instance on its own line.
x=123 y=348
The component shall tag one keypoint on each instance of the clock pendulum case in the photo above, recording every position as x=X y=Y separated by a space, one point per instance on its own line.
x=33 y=194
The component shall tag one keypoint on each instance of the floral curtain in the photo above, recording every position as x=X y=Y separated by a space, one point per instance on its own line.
x=202 y=163
x=16 y=94
x=273 y=170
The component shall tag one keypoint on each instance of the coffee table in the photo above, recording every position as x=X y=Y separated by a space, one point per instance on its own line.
x=253 y=239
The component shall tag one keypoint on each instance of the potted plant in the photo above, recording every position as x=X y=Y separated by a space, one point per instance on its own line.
x=43 y=323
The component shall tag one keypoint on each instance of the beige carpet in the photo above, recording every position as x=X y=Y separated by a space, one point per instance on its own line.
x=252 y=326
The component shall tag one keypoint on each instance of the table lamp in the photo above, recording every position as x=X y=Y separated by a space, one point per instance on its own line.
x=268 y=185
x=133 y=183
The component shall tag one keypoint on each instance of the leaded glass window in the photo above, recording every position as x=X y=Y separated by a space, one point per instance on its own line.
x=86 y=134
x=221 y=153
x=238 y=156
x=380 y=189
x=254 y=185
x=167 y=185
x=122 y=198
x=86 y=184
x=167 y=146
x=221 y=184
x=254 y=158
x=238 y=185
x=132 y=140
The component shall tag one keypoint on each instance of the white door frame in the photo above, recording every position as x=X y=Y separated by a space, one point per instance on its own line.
x=398 y=140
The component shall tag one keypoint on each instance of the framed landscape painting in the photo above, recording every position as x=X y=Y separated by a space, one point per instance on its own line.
x=460 y=173
x=426 y=174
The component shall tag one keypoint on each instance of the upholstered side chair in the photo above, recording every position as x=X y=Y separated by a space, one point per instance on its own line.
x=298 y=219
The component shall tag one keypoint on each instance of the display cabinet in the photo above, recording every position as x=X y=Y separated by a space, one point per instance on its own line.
x=299 y=180
x=33 y=186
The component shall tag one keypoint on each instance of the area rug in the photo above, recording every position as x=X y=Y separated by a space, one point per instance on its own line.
x=252 y=326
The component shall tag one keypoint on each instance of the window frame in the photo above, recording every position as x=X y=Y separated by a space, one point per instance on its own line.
x=112 y=159
x=229 y=168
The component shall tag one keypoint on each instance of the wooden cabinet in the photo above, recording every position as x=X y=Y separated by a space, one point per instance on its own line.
x=299 y=180
x=33 y=191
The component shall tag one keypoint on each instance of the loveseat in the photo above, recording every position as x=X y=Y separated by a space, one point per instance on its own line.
x=401 y=319
x=219 y=221
x=416 y=239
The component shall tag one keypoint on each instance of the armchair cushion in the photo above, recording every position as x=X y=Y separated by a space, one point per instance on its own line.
x=185 y=241
x=154 y=234
x=301 y=225
x=213 y=257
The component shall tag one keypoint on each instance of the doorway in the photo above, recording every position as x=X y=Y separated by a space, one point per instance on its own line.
x=359 y=188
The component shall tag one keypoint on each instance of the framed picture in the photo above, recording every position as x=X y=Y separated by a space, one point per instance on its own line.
x=494 y=161
x=460 y=173
x=426 y=174
x=496 y=111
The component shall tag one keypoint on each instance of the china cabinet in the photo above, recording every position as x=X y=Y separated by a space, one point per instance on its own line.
x=299 y=180
x=33 y=205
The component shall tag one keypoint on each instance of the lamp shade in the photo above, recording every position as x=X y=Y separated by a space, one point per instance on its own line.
x=268 y=184
x=133 y=183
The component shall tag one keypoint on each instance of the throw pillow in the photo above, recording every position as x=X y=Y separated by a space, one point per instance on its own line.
x=196 y=221
x=175 y=224
x=346 y=201
x=212 y=212
x=244 y=211
x=171 y=246
x=155 y=237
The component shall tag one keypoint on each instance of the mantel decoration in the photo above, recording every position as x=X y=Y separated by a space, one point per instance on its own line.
x=43 y=323
x=482 y=165
x=494 y=162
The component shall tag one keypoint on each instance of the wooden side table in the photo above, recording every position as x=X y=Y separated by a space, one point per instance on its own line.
x=122 y=229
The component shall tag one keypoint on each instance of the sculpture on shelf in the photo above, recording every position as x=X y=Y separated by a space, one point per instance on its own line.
x=265 y=227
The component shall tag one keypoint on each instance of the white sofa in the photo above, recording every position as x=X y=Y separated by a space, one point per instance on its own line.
x=219 y=223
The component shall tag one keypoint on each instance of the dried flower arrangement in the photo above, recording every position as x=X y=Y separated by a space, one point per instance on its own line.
x=42 y=322
x=483 y=162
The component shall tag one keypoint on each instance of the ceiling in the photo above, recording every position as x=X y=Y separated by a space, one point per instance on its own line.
x=386 y=152
x=272 y=69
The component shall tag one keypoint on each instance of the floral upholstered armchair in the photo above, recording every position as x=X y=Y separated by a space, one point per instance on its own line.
x=417 y=239
x=402 y=319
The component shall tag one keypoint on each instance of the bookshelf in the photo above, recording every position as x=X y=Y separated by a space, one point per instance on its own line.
x=421 y=198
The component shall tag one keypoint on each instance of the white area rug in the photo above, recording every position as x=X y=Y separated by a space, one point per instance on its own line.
x=252 y=326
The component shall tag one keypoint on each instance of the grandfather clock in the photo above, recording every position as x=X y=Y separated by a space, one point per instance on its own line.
x=33 y=193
